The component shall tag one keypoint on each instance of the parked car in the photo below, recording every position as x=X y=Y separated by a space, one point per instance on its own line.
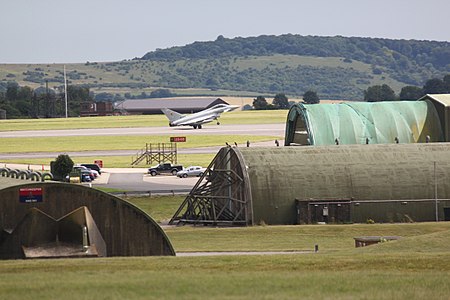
x=165 y=168
x=191 y=171
x=93 y=167
x=86 y=176
x=92 y=173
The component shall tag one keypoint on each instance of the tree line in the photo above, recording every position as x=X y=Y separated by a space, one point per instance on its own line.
x=281 y=101
x=25 y=102
x=385 y=93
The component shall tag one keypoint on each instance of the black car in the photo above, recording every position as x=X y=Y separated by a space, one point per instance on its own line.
x=93 y=167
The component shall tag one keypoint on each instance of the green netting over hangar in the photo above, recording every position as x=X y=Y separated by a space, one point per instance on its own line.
x=340 y=183
x=364 y=123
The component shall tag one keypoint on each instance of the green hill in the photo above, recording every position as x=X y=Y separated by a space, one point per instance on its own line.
x=335 y=67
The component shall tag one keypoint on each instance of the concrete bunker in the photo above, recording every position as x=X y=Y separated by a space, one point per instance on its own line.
x=65 y=220
x=331 y=184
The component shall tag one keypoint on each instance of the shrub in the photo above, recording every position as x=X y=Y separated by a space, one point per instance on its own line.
x=61 y=167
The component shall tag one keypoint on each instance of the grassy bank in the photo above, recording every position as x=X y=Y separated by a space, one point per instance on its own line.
x=413 y=273
x=133 y=142
x=415 y=267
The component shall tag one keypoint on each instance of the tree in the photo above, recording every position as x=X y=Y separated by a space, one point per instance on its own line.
x=411 y=92
x=62 y=166
x=311 y=97
x=447 y=82
x=280 y=101
x=379 y=93
x=11 y=91
x=161 y=93
x=260 y=103
x=435 y=86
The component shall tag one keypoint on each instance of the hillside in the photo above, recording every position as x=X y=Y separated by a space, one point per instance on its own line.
x=335 y=67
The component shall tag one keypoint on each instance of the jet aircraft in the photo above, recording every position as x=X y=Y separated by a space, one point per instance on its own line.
x=197 y=119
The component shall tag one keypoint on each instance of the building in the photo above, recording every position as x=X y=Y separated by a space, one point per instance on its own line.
x=442 y=104
x=179 y=104
x=93 y=109
x=332 y=184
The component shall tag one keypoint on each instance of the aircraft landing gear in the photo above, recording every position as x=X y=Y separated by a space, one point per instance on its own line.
x=199 y=126
x=195 y=126
x=218 y=123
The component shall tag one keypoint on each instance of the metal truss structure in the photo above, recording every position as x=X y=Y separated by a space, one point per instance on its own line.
x=220 y=196
x=156 y=153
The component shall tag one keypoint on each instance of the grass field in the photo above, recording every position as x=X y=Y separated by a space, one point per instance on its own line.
x=384 y=271
x=132 y=142
x=415 y=267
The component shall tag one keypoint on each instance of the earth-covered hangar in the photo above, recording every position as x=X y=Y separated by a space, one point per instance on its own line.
x=67 y=220
x=345 y=183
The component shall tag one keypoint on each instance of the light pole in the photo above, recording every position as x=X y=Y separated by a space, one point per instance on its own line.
x=65 y=88
x=435 y=193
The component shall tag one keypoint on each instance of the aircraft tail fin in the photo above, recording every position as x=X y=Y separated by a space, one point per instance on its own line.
x=171 y=115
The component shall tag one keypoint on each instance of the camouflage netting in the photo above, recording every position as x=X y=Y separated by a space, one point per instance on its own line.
x=363 y=123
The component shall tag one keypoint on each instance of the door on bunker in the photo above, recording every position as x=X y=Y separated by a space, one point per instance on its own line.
x=330 y=212
x=446 y=213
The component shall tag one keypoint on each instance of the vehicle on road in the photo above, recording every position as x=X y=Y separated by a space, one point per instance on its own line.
x=94 y=167
x=86 y=176
x=92 y=173
x=165 y=168
x=191 y=171
x=197 y=119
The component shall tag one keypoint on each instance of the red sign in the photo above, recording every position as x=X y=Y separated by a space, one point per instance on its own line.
x=30 y=195
x=177 y=139
x=99 y=163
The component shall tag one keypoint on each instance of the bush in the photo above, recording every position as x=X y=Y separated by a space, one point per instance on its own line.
x=61 y=167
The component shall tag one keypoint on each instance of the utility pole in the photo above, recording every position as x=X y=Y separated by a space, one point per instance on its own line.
x=65 y=88
x=435 y=193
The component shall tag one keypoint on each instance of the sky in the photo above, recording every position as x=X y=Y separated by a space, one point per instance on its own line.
x=77 y=31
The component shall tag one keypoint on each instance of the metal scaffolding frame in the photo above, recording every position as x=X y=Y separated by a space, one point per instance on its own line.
x=159 y=153
x=219 y=197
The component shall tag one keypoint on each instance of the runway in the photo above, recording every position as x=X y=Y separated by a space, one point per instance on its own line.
x=239 y=129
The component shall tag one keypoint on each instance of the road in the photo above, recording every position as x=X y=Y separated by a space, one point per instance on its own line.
x=139 y=182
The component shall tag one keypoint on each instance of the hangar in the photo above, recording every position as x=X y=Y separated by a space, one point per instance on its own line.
x=368 y=122
x=152 y=106
x=333 y=184
x=43 y=220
